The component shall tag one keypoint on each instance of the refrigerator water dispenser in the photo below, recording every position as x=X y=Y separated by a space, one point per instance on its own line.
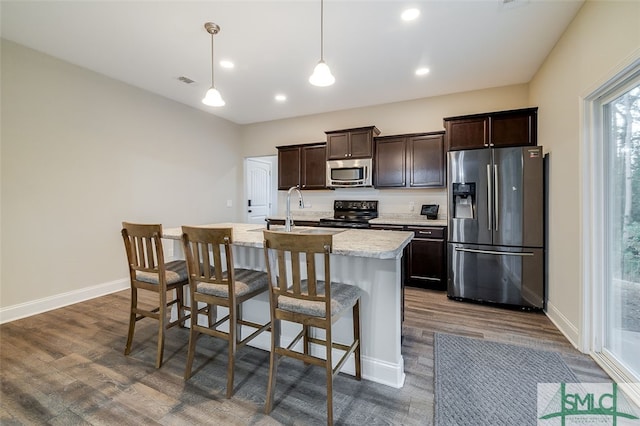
x=464 y=195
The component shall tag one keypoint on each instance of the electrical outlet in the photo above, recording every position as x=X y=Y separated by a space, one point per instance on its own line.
x=412 y=206
x=307 y=204
x=229 y=203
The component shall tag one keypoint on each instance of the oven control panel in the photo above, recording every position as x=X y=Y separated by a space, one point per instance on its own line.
x=355 y=205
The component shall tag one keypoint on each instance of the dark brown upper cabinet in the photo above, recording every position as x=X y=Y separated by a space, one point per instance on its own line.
x=410 y=161
x=313 y=167
x=351 y=143
x=302 y=165
x=288 y=166
x=390 y=169
x=495 y=129
x=426 y=167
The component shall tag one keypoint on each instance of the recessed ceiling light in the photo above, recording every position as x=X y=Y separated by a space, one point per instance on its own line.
x=410 y=14
x=422 y=71
x=226 y=64
x=281 y=97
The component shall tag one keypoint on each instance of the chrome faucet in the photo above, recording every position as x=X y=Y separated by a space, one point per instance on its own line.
x=288 y=221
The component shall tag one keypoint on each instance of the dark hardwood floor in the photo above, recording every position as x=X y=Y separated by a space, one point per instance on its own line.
x=67 y=367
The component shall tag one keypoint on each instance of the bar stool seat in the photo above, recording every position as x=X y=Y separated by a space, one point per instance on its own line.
x=246 y=282
x=343 y=296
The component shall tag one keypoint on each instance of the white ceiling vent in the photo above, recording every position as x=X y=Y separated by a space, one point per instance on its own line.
x=512 y=4
x=185 y=80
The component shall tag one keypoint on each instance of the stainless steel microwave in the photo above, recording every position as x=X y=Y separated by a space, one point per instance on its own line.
x=349 y=173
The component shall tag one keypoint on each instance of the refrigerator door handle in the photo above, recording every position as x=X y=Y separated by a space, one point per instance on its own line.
x=495 y=196
x=489 y=198
x=498 y=253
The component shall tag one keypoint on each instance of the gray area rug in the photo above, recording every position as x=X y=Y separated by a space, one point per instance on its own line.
x=478 y=382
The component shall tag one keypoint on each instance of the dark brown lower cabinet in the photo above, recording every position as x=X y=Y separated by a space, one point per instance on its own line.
x=426 y=260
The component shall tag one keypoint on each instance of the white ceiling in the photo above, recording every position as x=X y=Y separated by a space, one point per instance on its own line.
x=275 y=45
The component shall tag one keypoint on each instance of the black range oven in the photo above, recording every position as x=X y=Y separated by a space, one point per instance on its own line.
x=351 y=214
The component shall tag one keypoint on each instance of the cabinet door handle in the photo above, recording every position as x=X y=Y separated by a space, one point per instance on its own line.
x=484 y=128
x=496 y=191
x=424 y=232
x=497 y=253
x=489 y=199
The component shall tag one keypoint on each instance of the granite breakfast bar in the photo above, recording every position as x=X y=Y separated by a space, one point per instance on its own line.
x=369 y=259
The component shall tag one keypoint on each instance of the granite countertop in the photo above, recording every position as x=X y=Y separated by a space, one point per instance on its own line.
x=383 y=219
x=371 y=243
x=407 y=219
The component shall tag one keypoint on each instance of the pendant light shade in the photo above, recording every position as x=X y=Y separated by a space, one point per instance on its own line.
x=213 y=96
x=322 y=74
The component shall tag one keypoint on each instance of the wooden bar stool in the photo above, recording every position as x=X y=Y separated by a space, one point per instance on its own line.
x=148 y=271
x=311 y=302
x=217 y=283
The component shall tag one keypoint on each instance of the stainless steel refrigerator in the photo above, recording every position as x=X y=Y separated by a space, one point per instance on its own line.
x=496 y=226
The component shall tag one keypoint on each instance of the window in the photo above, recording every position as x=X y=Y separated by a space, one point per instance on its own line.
x=611 y=229
x=621 y=286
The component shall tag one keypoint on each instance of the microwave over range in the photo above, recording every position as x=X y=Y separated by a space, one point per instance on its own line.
x=349 y=173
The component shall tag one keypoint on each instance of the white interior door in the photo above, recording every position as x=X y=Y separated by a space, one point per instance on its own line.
x=258 y=181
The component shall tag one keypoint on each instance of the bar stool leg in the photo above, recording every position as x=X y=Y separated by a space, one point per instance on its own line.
x=273 y=365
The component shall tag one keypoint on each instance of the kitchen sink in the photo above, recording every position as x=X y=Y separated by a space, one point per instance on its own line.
x=303 y=230
x=326 y=231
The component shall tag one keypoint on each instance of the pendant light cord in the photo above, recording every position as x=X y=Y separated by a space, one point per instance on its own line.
x=212 y=85
x=322 y=30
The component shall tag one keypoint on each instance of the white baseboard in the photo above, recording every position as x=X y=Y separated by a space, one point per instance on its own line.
x=38 y=306
x=569 y=330
x=373 y=369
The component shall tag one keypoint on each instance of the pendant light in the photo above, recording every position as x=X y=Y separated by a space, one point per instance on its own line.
x=212 y=97
x=322 y=74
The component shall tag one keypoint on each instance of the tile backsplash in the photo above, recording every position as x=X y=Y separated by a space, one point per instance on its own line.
x=399 y=201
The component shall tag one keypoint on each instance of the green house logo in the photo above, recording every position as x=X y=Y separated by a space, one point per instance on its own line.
x=584 y=403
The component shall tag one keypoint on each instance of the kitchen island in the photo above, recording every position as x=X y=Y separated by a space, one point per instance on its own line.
x=368 y=259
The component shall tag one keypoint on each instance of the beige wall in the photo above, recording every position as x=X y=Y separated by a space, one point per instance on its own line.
x=81 y=153
x=421 y=115
x=603 y=34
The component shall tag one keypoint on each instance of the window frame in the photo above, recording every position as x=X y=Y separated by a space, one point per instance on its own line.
x=595 y=182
